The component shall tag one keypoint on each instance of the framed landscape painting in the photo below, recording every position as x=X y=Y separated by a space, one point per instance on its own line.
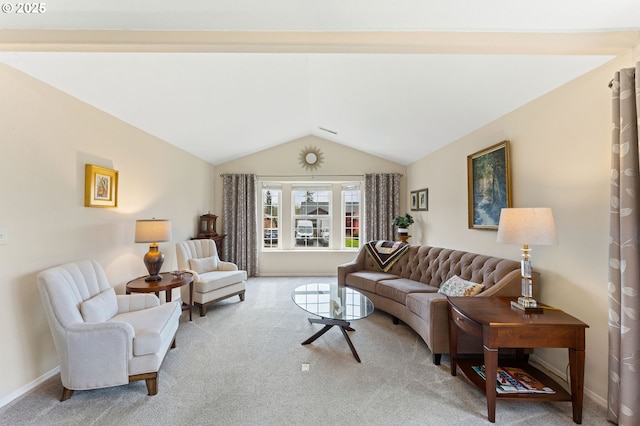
x=100 y=186
x=489 y=182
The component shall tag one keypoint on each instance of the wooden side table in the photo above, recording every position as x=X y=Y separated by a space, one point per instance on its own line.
x=168 y=282
x=501 y=326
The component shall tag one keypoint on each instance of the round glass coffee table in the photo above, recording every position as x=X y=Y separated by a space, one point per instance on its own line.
x=335 y=305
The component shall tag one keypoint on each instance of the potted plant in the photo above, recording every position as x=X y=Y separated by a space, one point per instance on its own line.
x=403 y=223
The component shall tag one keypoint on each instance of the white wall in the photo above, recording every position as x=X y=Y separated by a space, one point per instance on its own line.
x=560 y=152
x=560 y=155
x=282 y=162
x=46 y=139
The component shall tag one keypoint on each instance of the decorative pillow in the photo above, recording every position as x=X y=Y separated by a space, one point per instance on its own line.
x=206 y=264
x=456 y=286
x=101 y=307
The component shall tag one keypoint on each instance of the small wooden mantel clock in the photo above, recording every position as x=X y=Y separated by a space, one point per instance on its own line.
x=207 y=226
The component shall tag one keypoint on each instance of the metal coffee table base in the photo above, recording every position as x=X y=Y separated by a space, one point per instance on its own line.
x=328 y=323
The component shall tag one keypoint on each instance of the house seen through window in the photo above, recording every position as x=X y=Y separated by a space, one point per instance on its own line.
x=303 y=216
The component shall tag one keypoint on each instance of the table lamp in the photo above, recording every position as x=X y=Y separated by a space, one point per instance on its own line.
x=153 y=231
x=526 y=226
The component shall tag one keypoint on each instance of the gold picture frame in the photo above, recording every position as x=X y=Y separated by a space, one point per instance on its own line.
x=100 y=186
x=489 y=185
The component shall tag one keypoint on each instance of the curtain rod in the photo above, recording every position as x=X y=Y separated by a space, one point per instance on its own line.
x=307 y=176
x=613 y=79
x=304 y=176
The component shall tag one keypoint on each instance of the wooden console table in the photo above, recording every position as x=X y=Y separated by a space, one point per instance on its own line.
x=501 y=326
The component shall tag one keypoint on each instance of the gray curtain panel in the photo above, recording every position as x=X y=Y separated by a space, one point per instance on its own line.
x=239 y=221
x=382 y=204
x=624 y=253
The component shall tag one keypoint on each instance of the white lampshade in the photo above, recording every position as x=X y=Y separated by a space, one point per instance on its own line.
x=153 y=231
x=531 y=226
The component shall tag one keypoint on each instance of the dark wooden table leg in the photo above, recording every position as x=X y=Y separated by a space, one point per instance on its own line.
x=190 y=298
x=491 y=372
x=576 y=374
x=328 y=323
x=346 y=336
x=318 y=334
x=521 y=356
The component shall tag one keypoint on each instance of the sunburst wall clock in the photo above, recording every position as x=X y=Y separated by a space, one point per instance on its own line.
x=310 y=158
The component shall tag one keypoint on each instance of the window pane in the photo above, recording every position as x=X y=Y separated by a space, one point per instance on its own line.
x=270 y=217
x=351 y=211
x=312 y=216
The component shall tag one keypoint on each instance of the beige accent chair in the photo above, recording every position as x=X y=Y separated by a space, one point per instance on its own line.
x=213 y=279
x=104 y=339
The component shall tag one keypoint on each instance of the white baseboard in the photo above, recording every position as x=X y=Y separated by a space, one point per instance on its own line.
x=29 y=386
x=563 y=377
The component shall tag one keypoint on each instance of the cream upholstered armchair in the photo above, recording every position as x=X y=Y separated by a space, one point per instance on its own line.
x=104 y=339
x=213 y=279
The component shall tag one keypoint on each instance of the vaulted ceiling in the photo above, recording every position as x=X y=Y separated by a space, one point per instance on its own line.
x=222 y=79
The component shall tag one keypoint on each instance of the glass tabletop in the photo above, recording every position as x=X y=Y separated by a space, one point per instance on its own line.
x=332 y=301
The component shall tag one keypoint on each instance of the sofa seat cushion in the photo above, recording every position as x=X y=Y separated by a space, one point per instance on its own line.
x=210 y=281
x=152 y=327
x=398 y=289
x=421 y=304
x=366 y=280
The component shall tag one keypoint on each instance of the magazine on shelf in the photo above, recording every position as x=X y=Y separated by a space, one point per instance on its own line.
x=527 y=380
x=514 y=380
x=503 y=385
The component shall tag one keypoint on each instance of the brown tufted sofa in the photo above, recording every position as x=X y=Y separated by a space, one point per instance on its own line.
x=409 y=289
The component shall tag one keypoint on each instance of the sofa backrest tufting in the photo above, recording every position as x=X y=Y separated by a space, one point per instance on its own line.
x=435 y=265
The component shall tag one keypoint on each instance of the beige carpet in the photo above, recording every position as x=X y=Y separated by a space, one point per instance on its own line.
x=242 y=365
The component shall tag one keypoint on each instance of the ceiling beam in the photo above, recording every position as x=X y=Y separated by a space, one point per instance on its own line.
x=584 y=43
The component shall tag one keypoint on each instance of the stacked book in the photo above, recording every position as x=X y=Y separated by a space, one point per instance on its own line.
x=515 y=380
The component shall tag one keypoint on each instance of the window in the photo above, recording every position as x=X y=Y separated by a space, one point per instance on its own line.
x=270 y=216
x=310 y=215
x=351 y=214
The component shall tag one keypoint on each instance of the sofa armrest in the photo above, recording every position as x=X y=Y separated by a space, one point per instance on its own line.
x=99 y=354
x=439 y=325
x=355 y=265
x=196 y=276
x=227 y=266
x=344 y=270
x=135 y=302
x=511 y=286
x=117 y=329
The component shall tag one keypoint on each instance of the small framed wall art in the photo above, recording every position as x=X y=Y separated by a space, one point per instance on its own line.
x=414 y=201
x=423 y=199
x=489 y=181
x=100 y=186
x=420 y=200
